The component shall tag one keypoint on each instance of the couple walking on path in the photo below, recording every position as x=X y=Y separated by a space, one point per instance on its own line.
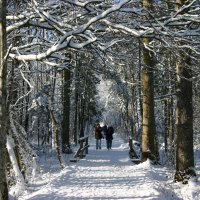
x=107 y=133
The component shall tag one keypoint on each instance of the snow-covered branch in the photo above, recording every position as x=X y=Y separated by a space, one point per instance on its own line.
x=55 y=48
x=16 y=26
x=20 y=186
x=79 y=28
x=83 y=3
x=66 y=42
x=53 y=22
x=128 y=30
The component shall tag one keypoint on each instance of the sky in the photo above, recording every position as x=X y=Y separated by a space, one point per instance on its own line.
x=105 y=175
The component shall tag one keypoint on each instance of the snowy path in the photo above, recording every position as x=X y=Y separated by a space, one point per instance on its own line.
x=106 y=175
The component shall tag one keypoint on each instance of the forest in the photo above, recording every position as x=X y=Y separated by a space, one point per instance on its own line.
x=55 y=53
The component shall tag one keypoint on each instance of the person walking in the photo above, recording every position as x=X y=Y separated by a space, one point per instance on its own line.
x=98 y=136
x=109 y=137
x=104 y=129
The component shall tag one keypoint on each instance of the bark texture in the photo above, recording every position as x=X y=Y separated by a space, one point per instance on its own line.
x=66 y=112
x=184 y=114
x=149 y=139
x=3 y=110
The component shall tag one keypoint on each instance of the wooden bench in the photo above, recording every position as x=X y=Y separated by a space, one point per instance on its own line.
x=83 y=149
x=132 y=154
x=136 y=161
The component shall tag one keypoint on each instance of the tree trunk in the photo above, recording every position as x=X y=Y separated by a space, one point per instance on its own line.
x=133 y=116
x=51 y=107
x=139 y=114
x=16 y=149
x=184 y=115
x=66 y=113
x=82 y=117
x=149 y=139
x=149 y=143
x=76 y=97
x=170 y=113
x=56 y=129
x=3 y=106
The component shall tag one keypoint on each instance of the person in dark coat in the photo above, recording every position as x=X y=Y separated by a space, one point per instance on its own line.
x=109 y=137
x=98 y=136
x=104 y=129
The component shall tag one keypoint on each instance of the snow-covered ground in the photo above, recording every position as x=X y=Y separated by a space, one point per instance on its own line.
x=106 y=175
